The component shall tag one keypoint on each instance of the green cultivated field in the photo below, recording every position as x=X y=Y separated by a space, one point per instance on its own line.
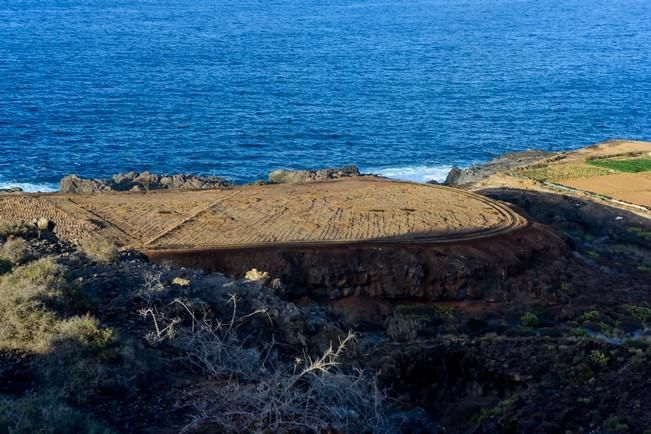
x=636 y=165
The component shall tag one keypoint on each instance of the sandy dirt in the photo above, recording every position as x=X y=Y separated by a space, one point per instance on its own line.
x=630 y=187
x=360 y=209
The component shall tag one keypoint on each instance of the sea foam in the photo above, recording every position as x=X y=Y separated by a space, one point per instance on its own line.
x=28 y=187
x=413 y=173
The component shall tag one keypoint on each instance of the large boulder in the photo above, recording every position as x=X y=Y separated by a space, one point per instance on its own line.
x=75 y=184
x=11 y=190
x=305 y=176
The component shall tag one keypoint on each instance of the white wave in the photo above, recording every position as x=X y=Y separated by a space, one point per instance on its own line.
x=29 y=187
x=413 y=173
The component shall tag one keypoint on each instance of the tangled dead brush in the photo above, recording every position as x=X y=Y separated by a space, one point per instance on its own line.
x=254 y=390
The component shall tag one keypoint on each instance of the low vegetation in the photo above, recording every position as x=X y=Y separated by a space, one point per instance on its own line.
x=99 y=249
x=16 y=229
x=79 y=362
x=16 y=250
x=560 y=172
x=632 y=165
x=96 y=346
x=28 y=323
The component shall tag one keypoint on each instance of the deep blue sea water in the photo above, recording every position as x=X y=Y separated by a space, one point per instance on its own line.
x=238 y=88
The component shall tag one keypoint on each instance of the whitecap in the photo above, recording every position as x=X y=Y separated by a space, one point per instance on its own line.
x=413 y=173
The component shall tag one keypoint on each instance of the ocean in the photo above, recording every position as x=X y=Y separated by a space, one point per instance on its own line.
x=239 y=88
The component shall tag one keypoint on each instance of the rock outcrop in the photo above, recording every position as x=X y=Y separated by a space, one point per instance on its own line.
x=11 y=190
x=305 y=176
x=75 y=184
x=478 y=172
x=134 y=181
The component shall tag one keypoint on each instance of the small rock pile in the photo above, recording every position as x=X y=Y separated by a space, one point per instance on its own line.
x=305 y=176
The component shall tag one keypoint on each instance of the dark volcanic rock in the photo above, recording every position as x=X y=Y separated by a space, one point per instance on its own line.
x=478 y=172
x=75 y=184
x=304 y=176
x=134 y=181
x=493 y=269
x=11 y=190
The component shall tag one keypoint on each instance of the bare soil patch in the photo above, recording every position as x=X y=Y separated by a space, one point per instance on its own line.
x=630 y=187
x=340 y=211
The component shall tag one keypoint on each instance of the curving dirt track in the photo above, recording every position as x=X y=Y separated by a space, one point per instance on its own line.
x=357 y=210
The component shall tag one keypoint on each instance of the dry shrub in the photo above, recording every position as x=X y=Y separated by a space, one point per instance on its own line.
x=34 y=299
x=256 y=392
x=403 y=328
x=44 y=273
x=80 y=359
x=27 y=323
x=86 y=362
x=17 y=229
x=99 y=249
x=16 y=250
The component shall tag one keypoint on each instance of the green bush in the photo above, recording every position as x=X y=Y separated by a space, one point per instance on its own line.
x=90 y=363
x=591 y=315
x=530 y=320
x=495 y=412
x=27 y=295
x=402 y=328
x=99 y=249
x=85 y=332
x=598 y=358
x=615 y=425
x=26 y=325
x=640 y=313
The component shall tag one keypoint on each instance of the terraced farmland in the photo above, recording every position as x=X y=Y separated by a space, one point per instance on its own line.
x=353 y=210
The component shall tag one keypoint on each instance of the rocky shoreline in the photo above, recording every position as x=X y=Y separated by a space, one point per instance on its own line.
x=146 y=181
x=475 y=173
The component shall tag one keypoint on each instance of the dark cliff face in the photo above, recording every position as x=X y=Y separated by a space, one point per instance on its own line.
x=480 y=269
